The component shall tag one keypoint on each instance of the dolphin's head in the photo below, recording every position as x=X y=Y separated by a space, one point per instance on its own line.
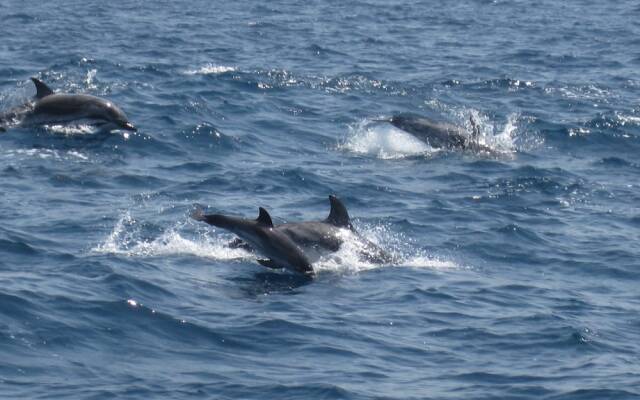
x=110 y=116
x=403 y=119
x=114 y=115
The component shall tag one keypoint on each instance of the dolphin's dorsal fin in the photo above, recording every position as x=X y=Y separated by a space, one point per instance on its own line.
x=264 y=218
x=42 y=90
x=338 y=215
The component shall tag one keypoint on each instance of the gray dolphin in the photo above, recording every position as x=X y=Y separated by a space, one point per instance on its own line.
x=49 y=107
x=296 y=245
x=439 y=134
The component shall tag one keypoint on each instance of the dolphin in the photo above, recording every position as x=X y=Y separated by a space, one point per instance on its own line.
x=49 y=107
x=295 y=245
x=439 y=134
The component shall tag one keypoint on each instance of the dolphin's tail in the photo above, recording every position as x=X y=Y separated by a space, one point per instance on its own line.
x=219 y=220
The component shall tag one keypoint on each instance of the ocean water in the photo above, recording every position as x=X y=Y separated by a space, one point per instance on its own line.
x=517 y=273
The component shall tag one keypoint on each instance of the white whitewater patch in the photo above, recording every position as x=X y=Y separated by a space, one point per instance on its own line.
x=125 y=240
x=210 y=69
x=348 y=259
x=628 y=119
x=83 y=128
x=384 y=141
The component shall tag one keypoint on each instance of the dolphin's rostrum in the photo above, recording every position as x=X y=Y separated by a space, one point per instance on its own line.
x=296 y=245
x=49 y=107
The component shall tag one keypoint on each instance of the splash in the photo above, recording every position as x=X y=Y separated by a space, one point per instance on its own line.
x=500 y=140
x=89 y=80
x=210 y=69
x=79 y=129
x=383 y=141
x=348 y=259
x=504 y=141
x=126 y=239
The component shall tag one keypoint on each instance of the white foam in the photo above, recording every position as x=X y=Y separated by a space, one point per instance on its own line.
x=628 y=119
x=125 y=239
x=383 y=141
x=71 y=129
x=210 y=69
x=425 y=261
x=73 y=153
x=348 y=259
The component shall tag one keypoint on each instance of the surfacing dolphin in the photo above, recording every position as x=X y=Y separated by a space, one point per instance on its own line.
x=439 y=134
x=63 y=108
x=295 y=245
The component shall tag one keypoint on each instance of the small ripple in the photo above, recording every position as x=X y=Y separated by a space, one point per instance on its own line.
x=120 y=283
x=324 y=51
x=596 y=394
x=17 y=247
x=20 y=18
x=516 y=232
x=500 y=83
x=207 y=137
x=616 y=162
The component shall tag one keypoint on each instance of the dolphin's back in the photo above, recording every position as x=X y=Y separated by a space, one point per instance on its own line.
x=436 y=134
x=312 y=234
x=64 y=107
x=63 y=104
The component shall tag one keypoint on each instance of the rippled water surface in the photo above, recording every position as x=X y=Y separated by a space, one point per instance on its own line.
x=517 y=273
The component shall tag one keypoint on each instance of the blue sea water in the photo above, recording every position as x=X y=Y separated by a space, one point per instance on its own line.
x=518 y=271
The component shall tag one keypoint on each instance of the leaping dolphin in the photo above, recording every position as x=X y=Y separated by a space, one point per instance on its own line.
x=49 y=107
x=439 y=134
x=296 y=245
